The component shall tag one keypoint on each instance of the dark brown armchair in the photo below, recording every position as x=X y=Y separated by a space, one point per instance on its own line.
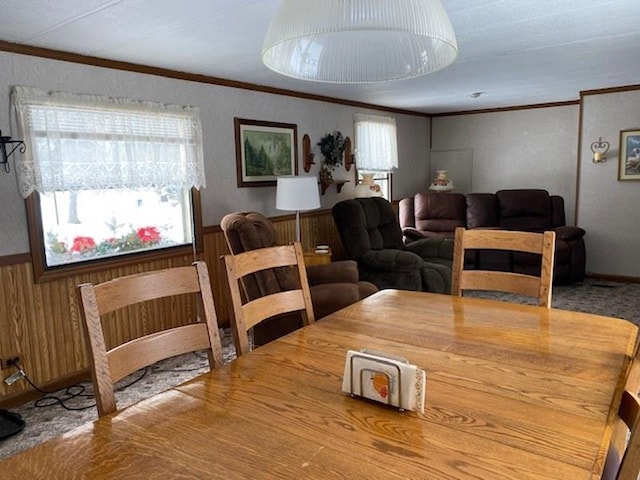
x=372 y=236
x=333 y=286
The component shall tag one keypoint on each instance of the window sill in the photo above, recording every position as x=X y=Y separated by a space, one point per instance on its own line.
x=65 y=271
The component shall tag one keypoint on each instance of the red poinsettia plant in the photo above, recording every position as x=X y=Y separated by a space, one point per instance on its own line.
x=148 y=235
x=83 y=244
x=86 y=246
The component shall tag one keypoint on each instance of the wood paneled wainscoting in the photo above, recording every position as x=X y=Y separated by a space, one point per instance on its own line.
x=41 y=321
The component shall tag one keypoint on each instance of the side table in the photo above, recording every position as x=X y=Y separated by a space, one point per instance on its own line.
x=317 y=257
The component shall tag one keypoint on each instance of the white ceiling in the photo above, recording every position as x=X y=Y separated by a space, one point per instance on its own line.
x=516 y=52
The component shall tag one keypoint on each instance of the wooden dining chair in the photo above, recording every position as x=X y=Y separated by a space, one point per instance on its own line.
x=622 y=429
x=249 y=313
x=624 y=463
x=530 y=285
x=110 y=365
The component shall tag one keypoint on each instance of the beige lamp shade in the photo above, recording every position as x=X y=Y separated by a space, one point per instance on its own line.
x=297 y=193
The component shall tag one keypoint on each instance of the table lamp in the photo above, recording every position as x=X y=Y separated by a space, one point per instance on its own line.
x=297 y=193
x=442 y=182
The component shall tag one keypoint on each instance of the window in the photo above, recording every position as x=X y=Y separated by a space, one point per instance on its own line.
x=106 y=177
x=376 y=149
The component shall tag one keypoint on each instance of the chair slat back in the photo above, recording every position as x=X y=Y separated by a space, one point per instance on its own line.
x=248 y=314
x=623 y=460
x=109 y=366
x=529 y=242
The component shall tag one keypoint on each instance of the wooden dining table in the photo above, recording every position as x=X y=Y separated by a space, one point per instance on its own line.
x=512 y=392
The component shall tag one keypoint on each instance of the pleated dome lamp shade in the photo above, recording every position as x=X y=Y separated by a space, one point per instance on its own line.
x=359 y=41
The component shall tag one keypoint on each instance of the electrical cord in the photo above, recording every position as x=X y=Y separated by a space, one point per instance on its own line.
x=77 y=391
x=69 y=393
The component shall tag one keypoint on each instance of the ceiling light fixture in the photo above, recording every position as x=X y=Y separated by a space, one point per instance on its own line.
x=364 y=41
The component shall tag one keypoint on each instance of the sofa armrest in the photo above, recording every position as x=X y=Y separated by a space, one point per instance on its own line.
x=406 y=212
x=343 y=271
x=432 y=248
x=569 y=233
x=412 y=234
x=390 y=260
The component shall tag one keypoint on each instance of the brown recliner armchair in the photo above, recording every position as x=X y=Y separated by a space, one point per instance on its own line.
x=333 y=286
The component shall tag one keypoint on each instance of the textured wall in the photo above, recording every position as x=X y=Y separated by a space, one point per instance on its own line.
x=538 y=148
x=608 y=208
x=535 y=148
x=218 y=105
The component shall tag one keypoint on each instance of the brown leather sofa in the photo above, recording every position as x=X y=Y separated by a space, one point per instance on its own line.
x=333 y=286
x=436 y=215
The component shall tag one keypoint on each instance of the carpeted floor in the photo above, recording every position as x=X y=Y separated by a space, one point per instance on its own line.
x=612 y=299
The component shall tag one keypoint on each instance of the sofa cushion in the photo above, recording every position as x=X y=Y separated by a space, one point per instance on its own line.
x=524 y=209
x=482 y=210
x=439 y=212
x=562 y=256
x=329 y=297
x=382 y=225
x=569 y=233
x=557 y=211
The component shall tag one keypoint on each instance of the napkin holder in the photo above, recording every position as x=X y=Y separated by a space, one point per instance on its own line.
x=384 y=378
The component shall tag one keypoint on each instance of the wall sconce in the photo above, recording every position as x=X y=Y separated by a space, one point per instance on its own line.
x=349 y=156
x=599 y=150
x=4 y=140
x=307 y=154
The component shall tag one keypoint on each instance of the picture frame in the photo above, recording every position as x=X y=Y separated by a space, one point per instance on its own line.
x=264 y=151
x=629 y=163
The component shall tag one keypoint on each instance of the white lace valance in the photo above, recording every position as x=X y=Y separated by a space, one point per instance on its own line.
x=376 y=143
x=86 y=142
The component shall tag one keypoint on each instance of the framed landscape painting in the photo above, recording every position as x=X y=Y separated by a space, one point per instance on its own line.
x=265 y=151
x=629 y=167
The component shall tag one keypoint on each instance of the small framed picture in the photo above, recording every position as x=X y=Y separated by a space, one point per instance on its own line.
x=629 y=167
x=265 y=151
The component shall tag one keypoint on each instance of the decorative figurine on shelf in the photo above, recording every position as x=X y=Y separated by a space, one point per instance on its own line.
x=332 y=147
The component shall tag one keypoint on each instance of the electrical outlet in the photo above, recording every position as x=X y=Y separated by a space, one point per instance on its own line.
x=9 y=361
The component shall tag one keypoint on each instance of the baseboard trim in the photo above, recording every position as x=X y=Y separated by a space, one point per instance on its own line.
x=25 y=396
x=613 y=278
